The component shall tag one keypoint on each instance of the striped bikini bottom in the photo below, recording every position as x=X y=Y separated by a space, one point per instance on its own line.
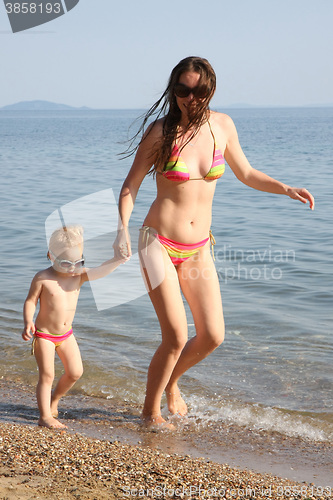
x=56 y=339
x=179 y=252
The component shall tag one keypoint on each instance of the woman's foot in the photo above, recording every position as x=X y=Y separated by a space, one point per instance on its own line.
x=156 y=422
x=51 y=423
x=176 y=404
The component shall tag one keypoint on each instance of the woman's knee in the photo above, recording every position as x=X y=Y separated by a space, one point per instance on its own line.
x=218 y=339
x=174 y=340
x=214 y=338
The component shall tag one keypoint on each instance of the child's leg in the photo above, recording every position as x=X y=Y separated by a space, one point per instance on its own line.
x=44 y=354
x=69 y=353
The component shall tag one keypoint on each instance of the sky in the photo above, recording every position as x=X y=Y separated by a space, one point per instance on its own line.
x=119 y=54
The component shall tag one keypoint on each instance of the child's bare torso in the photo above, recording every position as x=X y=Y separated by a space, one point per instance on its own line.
x=57 y=301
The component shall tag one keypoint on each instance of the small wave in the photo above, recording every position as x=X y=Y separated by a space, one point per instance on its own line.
x=258 y=418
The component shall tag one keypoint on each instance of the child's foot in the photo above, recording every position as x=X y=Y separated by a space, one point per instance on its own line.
x=156 y=422
x=51 y=423
x=176 y=404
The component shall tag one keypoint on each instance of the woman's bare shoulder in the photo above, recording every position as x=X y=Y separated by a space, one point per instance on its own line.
x=223 y=126
x=221 y=119
x=155 y=129
x=151 y=137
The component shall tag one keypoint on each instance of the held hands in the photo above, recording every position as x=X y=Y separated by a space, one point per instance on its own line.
x=302 y=195
x=29 y=327
x=122 y=244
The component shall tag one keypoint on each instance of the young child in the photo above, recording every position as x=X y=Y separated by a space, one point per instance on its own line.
x=57 y=289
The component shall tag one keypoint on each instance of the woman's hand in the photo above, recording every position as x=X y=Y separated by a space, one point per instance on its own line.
x=302 y=195
x=122 y=244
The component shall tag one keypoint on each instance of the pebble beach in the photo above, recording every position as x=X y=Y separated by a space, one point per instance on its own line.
x=41 y=463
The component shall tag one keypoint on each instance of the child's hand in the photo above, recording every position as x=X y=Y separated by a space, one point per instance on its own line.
x=26 y=335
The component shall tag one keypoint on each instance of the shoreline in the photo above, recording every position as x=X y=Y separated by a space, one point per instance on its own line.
x=114 y=432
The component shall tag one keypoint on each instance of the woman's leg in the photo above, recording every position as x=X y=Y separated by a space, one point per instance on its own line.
x=44 y=354
x=167 y=300
x=69 y=354
x=200 y=285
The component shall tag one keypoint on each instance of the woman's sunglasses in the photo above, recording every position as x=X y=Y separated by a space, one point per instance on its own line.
x=182 y=90
x=68 y=264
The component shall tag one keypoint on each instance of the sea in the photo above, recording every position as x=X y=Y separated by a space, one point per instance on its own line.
x=273 y=373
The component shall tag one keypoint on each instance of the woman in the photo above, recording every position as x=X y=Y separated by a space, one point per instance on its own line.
x=185 y=147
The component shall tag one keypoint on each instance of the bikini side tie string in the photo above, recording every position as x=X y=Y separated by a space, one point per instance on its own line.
x=145 y=230
x=212 y=243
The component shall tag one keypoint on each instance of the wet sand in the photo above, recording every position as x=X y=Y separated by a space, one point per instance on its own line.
x=106 y=453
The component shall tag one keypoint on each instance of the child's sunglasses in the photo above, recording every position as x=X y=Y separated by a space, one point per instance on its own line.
x=182 y=90
x=68 y=264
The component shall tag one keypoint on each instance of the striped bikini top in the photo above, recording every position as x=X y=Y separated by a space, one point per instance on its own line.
x=176 y=169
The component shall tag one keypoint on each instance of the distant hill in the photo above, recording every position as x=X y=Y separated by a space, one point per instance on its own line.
x=39 y=106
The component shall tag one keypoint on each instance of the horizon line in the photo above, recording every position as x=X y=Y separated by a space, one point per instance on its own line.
x=240 y=105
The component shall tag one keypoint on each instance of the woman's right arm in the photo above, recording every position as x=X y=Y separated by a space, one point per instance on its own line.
x=142 y=163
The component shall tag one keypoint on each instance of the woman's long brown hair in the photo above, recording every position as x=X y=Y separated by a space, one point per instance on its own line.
x=167 y=106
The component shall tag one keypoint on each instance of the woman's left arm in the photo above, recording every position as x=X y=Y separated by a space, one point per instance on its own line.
x=252 y=177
